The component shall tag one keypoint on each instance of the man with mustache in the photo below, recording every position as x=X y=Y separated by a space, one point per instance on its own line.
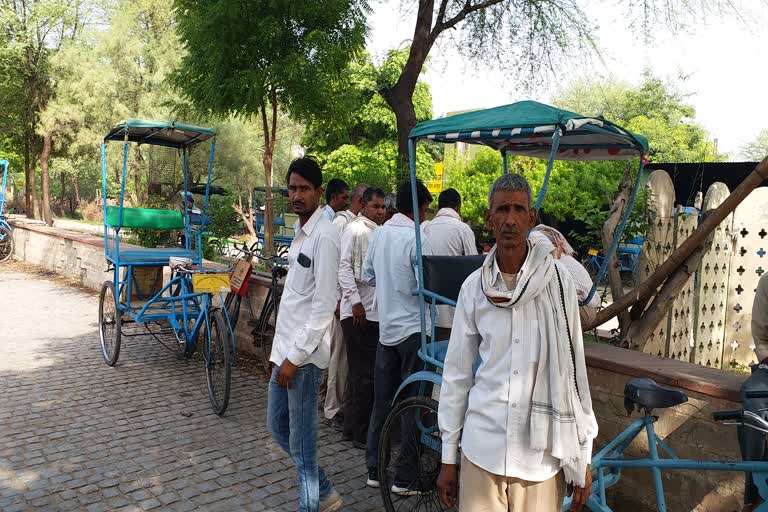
x=359 y=316
x=301 y=346
x=525 y=418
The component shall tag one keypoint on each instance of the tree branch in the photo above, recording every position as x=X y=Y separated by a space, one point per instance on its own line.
x=468 y=9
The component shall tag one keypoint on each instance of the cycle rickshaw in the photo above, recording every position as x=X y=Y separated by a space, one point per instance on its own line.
x=6 y=234
x=282 y=234
x=181 y=309
x=411 y=434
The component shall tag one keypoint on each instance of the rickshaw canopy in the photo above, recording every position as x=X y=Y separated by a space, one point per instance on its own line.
x=161 y=133
x=528 y=127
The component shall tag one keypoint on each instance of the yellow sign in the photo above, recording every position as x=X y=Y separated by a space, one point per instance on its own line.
x=210 y=283
x=439 y=171
x=435 y=187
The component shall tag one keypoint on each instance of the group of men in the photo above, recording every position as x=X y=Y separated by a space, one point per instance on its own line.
x=523 y=416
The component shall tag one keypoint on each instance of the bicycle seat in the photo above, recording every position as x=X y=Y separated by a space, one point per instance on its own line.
x=646 y=394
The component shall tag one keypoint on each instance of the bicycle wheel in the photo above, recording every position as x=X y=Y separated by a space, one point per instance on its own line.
x=218 y=363
x=232 y=306
x=110 y=323
x=6 y=244
x=264 y=333
x=409 y=457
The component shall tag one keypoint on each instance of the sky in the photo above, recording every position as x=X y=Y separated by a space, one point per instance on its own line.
x=723 y=57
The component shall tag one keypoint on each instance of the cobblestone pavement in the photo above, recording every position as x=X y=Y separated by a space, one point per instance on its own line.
x=78 y=435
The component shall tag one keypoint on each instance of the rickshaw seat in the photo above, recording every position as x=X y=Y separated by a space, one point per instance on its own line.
x=144 y=218
x=444 y=275
x=153 y=256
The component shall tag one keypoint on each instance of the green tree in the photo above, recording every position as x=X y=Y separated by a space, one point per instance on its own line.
x=757 y=149
x=356 y=133
x=528 y=37
x=256 y=57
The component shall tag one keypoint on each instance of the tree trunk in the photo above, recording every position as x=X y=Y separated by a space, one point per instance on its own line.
x=45 y=184
x=400 y=96
x=247 y=219
x=270 y=137
x=608 y=231
x=681 y=254
x=64 y=198
x=76 y=185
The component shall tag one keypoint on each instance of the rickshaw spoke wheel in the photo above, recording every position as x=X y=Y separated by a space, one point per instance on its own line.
x=6 y=244
x=218 y=363
x=409 y=457
x=110 y=323
x=264 y=334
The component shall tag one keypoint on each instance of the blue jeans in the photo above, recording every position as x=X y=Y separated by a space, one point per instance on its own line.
x=292 y=419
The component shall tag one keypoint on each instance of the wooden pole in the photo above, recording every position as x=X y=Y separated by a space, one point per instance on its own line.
x=681 y=254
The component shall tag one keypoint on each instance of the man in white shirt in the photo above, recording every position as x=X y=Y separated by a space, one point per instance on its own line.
x=301 y=346
x=524 y=433
x=563 y=251
x=338 y=369
x=359 y=316
x=336 y=198
x=390 y=267
x=448 y=236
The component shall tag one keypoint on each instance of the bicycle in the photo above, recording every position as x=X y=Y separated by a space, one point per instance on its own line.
x=6 y=235
x=645 y=395
x=264 y=326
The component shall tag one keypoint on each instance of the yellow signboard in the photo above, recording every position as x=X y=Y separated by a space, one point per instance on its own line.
x=210 y=283
x=439 y=171
x=435 y=187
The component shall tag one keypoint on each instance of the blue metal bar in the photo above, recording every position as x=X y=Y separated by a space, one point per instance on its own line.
x=552 y=156
x=666 y=448
x=435 y=296
x=104 y=195
x=657 y=483
x=187 y=230
x=505 y=160
x=416 y=224
x=628 y=435
x=616 y=236
x=687 y=464
x=4 y=163
x=420 y=376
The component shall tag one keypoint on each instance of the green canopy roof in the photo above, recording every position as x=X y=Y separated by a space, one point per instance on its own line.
x=160 y=133
x=527 y=127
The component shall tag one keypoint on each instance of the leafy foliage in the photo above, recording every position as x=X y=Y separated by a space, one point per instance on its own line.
x=757 y=149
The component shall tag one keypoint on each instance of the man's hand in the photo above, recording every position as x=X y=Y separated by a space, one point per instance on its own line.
x=447 y=483
x=338 y=310
x=358 y=316
x=286 y=373
x=580 y=494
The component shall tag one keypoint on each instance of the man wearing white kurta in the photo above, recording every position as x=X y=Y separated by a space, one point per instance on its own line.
x=526 y=416
x=448 y=236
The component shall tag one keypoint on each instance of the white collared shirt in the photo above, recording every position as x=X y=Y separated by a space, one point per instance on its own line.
x=352 y=290
x=449 y=236
x=390 y=266
x=309 y=295
x=342 y=219
x=493 y=412
x=329 y=212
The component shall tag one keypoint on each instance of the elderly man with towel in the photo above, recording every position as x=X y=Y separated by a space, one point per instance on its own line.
x=525 y=419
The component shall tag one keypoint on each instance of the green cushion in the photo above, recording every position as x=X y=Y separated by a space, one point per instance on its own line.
x=145 y=218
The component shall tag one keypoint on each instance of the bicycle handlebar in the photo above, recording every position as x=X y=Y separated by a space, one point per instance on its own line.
x=734 y=415
x=757 y=394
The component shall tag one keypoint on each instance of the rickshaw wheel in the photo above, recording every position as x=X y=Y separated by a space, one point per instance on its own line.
x=110 y=323
x=409 y=457
x=6 y=244
x=218 y=363
x=264 y=333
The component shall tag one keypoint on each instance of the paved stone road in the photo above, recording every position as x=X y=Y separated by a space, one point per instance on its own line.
x=78 y=435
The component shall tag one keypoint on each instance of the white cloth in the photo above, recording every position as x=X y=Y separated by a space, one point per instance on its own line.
x=449 y=236
x=309 y=295
x=354 y=246
x=342 y=219
x=580 y=276
x=329 y=213
x=390 y=266
x=502 y=431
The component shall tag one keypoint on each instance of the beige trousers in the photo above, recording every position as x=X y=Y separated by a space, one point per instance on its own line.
x=481 y=491
x=337 y=371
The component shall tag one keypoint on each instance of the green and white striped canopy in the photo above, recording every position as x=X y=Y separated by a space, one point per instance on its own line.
x=527 y=128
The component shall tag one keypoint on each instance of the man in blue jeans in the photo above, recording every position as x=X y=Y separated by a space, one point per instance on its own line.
x=301 y=346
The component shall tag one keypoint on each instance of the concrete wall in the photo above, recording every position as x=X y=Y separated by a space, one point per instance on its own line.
x=688 y=428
